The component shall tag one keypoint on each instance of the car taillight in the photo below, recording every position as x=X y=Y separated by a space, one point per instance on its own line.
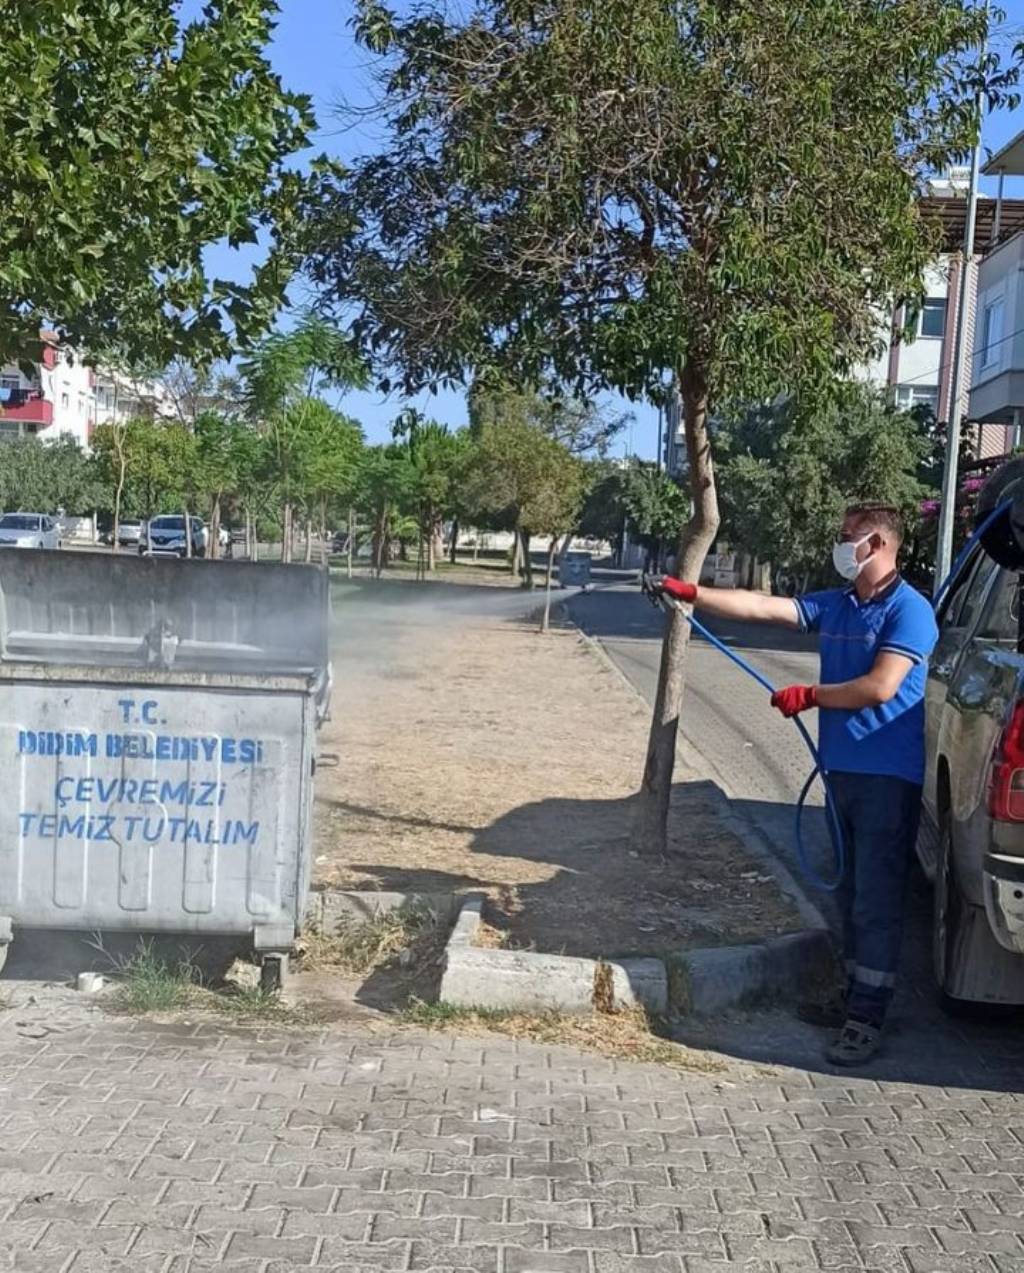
x=1006 y=774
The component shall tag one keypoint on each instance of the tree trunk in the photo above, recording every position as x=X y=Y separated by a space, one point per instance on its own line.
x=323 y=534
x=565 y=545
x=380 y=542
x=517 y=553
x=188 y=533
x=351 y=536
x=454 y=541
x=545 y=622
x=214 y=550
x=287 y=531
x=118 y=494
x=309 y=540
x=650 y=821
x=524 y=536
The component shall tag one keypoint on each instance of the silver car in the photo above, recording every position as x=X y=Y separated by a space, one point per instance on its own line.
x=165 y=537
x=29 y=530
x=972 y=833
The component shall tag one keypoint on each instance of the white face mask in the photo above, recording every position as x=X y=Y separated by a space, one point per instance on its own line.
x=844 y=558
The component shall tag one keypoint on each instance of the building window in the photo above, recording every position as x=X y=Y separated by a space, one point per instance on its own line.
x=992 y=333
x=909 y=396
x=933 y=318
x=64 y=401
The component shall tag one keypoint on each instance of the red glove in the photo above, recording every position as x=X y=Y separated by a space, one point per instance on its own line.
x=678 y=589
x=795 y=699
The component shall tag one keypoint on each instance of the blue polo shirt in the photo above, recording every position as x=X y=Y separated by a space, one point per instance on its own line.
x=875 y=740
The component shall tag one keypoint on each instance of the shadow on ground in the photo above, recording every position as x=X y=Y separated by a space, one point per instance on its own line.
x=923 y=1044
x=591 y=896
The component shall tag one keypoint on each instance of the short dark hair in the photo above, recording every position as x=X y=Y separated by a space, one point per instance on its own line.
x=885 y=517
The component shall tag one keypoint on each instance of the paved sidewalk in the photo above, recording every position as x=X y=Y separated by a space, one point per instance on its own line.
x=128 y=1146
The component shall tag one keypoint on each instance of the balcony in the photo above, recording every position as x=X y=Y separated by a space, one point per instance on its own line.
x=996 y=349
x=997 y=356
x=25 y=406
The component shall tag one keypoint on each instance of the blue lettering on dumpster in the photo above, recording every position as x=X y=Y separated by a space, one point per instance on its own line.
x=101 y=808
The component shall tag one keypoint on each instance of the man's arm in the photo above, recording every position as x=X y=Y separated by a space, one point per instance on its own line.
x=874 y=688
x=736 y=603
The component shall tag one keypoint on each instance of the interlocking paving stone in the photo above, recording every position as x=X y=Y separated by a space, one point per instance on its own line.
x=179 y=1149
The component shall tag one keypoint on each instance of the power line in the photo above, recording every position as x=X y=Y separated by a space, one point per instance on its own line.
x=972 y=355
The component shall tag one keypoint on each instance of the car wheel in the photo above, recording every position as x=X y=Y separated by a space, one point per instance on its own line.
x=947 y=920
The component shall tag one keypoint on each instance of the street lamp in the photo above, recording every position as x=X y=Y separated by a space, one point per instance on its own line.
x=947 y=511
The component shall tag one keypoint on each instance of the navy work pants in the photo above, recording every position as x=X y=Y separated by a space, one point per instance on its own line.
x=878 y=815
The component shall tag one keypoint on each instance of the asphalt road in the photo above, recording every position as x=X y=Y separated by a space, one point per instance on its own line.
x=758 y=758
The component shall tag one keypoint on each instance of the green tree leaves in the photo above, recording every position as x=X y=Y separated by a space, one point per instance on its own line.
x=131 y=142
x=788 y=472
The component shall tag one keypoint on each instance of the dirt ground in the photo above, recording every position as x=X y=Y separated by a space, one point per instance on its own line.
x=487 y=756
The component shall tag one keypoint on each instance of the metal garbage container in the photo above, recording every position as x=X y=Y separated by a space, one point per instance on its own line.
x=157 y=730
x=574 y=570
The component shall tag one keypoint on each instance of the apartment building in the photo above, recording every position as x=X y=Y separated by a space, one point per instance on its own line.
x=58 y=394
x=996 y=353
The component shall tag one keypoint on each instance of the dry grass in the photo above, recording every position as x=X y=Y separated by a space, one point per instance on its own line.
x=490 y=938
x=358 y=947
x=624 y=1036
x=475 y=756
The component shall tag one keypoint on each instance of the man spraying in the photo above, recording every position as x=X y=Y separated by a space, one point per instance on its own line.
x=875 y=638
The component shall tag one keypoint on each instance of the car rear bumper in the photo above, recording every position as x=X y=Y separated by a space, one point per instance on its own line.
x=1004 y=899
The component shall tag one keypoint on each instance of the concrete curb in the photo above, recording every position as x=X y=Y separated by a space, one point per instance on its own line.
x=754 y=840
x=712 y=980
x=523 y=981
x=327 y=907
x=605 y=659
x=697 y=982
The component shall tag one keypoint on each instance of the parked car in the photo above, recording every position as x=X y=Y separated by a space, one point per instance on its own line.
x=362 y=548
x=29 y=530
x=129 y=533
x=165 y=537
x=972 y=833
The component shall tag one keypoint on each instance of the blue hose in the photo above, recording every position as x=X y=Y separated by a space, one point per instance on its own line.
x=828 y=886
x=838 y=839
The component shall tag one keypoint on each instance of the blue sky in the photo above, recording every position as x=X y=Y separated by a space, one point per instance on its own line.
x=314 y=52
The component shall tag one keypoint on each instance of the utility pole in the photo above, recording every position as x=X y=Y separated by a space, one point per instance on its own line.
x=947 y=511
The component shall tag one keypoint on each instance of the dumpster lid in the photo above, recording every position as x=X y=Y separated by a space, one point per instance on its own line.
x=87 y=609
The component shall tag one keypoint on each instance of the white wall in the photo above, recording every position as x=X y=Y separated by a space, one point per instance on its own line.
x=1001 y=278
x=920 y=359
x=68 y=386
